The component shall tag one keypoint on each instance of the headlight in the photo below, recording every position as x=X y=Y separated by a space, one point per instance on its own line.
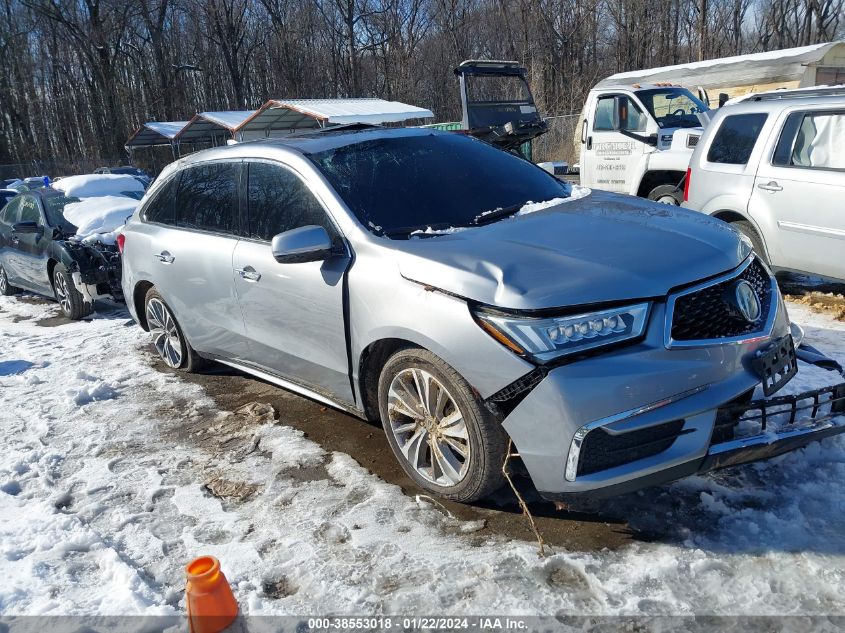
x=548 y=338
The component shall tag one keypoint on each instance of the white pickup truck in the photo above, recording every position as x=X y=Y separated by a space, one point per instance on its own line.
x=638 y=139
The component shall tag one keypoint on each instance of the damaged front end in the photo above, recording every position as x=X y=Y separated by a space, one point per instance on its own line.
x=748 y=431
x=95 y=267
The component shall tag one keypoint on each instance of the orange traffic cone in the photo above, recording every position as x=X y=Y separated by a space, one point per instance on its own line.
x=211 y=605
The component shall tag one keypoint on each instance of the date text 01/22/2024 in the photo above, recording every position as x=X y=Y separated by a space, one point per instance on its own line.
x=417 y=623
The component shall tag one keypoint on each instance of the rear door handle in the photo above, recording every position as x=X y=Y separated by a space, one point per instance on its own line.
x=589 y=142
x=248 y=273
x=770 y=186
x=164 y=257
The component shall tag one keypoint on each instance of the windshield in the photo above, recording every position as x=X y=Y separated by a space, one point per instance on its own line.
x=400 y=184
x=497 y=88
x=54 y=207
x=672 y=107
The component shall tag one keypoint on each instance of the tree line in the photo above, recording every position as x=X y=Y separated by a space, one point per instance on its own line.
x=79 y=75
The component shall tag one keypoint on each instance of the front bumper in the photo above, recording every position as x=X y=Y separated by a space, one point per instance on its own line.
x=689 y=395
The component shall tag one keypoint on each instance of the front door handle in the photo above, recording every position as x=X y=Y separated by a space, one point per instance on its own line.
x=248 y=273
x=770 y=186
x=164 y=257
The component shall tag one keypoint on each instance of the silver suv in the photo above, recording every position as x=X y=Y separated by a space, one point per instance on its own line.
x=773 y=165
x=464 y=297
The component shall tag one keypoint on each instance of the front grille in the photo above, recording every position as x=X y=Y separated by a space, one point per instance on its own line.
x=705 y=314
x=601 y=450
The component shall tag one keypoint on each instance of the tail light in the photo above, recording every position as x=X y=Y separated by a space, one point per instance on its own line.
x=121 y=240
x=686 y=185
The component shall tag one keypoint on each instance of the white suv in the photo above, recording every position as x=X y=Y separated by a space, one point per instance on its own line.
x=773 y=166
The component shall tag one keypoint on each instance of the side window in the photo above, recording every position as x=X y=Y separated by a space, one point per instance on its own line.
x=812 y=140
x=605 y=119
x=10 y=211
x=208 y=198
x=734 y=140
x=30 y=211
x=162 y=207
x=629 y=117
x=280 y=201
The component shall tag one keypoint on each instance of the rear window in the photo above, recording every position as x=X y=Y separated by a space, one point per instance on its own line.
x=735 y=139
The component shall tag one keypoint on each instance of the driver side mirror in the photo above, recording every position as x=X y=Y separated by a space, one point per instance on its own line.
x=304 y=244
x=27 y=228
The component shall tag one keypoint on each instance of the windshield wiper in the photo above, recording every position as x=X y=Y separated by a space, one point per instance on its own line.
x=407 y=230
x=488 y=217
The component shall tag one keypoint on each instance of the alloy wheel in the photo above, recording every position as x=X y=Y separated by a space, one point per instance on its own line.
x=63 y=293
x=428 y=427
x=668 y=200
x=165 y=334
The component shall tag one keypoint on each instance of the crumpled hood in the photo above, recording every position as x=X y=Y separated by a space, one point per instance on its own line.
x=603 y=247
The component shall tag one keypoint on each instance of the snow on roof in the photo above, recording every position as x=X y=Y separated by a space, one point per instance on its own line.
x=91 y=185
x=231 y=119
x=207 y=126
x=290 y=114
x=155 y=133
x=785 y=64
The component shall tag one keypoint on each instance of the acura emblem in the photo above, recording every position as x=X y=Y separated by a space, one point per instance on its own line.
x=746 y=301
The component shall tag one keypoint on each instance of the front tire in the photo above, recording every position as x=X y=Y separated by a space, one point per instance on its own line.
x=70 y=300
x=443 y=436
x=6 y=289
x=666 y=194
x=168 y=338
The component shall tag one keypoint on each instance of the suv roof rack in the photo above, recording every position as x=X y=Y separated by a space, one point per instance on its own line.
x=799 y=93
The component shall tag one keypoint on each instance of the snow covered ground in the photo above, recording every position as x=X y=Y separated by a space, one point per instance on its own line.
x=113 y=475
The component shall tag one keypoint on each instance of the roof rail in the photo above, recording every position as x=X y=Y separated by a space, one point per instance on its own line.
x=798 y=93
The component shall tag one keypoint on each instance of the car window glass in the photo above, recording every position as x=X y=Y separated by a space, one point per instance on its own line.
x=819 y=141
x=279 y=201
x=631 y=116
x=55 y=207
x=431 y=179
x=208 y=198
x=10 y=212
x=605 y=115
x=161 y=208
x=734 y=140
x=29 y=210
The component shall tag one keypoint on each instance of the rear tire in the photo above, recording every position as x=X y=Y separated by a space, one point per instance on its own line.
x=748 y=230
x=443 y=436
x=168 y=339
x=70 y=300
x=7 y=289
x=666 y=194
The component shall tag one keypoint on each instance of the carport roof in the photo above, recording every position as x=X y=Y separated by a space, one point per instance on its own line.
x=207 y=125
x=155 y=133
x=294 y=114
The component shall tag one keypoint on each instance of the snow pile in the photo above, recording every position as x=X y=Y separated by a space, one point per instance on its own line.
x=577 y=193
x=103 y=500
x=91 y=185
x=100 y=218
